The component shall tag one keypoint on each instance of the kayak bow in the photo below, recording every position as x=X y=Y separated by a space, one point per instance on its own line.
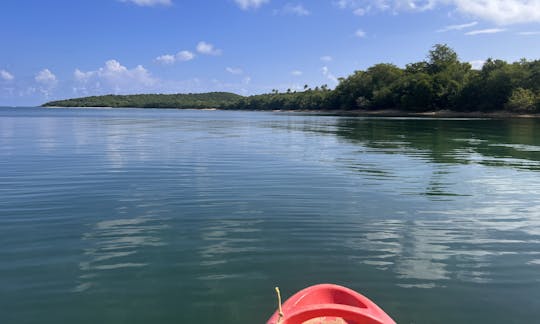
x=329 y=303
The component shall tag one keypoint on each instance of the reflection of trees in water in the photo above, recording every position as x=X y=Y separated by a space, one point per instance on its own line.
x=514 y=143
x=411 y=142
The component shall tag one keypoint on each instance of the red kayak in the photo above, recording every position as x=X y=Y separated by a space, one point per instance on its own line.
x=329 y=304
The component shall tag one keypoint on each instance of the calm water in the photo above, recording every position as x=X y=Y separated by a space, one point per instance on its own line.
x=164 y=216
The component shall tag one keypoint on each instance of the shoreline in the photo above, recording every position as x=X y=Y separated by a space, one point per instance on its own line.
x=360 y=113
x=426 y=114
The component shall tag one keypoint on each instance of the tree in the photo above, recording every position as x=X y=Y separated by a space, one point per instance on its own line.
x=441 y=57
x=416 y=92
x=384 y=78
x=522 y=100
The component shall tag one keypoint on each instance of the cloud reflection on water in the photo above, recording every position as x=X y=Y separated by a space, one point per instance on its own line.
x=114 y=244
x=484 y=195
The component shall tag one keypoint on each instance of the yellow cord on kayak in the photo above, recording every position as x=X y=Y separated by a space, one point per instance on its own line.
x=279 y=304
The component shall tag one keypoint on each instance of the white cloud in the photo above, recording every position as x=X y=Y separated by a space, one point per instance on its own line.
x=47 y=82
x=361 y=7
x=235 y=71
x=326 y=72
x=296 y=73
x=360 y=33
x=117 y=74
x=485 y=31
x=477 y=64
x=82 y=76
x=502 y=12
x=150 y=3
x=248 y=4
x=182 y=56
x=326 y=58
x=343 y=4
x=292 y=9
x=46 y=77
x=116 y=77
x=359 y=11
x=185 y=56
x=457 y=27
x=6 y=76
x=207 y=48
x=166 y=59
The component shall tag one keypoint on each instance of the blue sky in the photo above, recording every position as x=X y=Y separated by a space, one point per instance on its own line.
x=61 y=49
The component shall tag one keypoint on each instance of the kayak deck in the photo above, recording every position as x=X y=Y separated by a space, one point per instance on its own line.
x=326 y=320
x=329 y=304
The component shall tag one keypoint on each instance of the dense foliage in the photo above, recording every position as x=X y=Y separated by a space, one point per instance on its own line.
x=191 y=100
x=441 y=82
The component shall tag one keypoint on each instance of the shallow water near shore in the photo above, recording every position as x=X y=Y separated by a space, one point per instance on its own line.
x=184 y=216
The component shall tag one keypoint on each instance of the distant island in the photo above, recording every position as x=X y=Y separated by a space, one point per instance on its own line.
x=179 y=101
x=440 y=83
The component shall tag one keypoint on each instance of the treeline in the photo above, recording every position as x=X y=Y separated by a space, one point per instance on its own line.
x=441 y=82
x=191 y=100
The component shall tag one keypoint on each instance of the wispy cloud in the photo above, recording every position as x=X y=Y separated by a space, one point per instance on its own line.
x=329 y=75
x=182 y=56
x=485 y=31
x=6 y=76
x=359 y=11
x=150 y=3
x=343 y=4
x=243 y=86
x=296 y=73
x=360 y=33
x=361 y=7
x=208 y=49
x=166 y=59
x=457 y=27
x=326 y=58
x=235 y=71
x=529 y=33
x=502 y=12
x=294 y=9
x=250 y=4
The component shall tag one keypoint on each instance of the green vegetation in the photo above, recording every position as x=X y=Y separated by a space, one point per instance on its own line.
x=441 y=82
x=191 y=100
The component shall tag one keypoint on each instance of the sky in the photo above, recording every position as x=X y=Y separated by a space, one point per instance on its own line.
x=59 y=49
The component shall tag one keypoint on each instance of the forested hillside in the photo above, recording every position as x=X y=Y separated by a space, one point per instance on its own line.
x=191 y=100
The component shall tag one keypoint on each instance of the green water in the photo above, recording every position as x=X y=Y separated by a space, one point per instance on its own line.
x=166 y=216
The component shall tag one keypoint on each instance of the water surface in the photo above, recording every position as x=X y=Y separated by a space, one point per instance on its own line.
x=168 y=216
